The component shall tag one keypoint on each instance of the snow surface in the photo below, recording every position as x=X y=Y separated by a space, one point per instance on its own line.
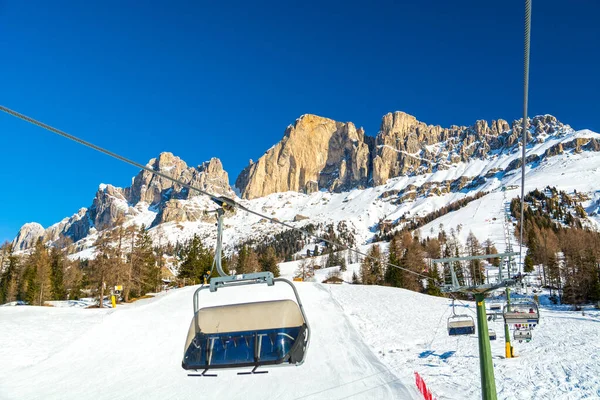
x=367 y=341
x=135 y=352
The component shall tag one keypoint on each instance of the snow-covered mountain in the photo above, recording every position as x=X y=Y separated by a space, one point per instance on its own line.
x=330 y=172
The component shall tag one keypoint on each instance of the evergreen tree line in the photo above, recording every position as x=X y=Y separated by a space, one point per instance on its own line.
x=197 y=261
x=412 y=253
x=568 y=252
x=124 y=256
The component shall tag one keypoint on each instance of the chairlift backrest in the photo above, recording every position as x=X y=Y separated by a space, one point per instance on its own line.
x=461 y=325
x=522 y=334
x=522 y=313
x=248 y=334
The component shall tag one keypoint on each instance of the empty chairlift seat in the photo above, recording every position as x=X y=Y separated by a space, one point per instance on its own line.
x=492 y=334
x=244 y=335
x=461 y=325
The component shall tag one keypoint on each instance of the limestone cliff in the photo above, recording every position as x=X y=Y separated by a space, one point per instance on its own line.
x=315 y=153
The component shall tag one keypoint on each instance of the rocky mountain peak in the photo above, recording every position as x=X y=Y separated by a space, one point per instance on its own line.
x=148 y=193
x=319 y=153
x=315 y=153
x=28 y=235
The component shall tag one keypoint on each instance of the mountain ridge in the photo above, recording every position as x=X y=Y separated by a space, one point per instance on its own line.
x=346 y=159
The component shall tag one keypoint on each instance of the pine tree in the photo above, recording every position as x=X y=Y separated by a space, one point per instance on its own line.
x=57 y=274
x=268 y=261
x=414 y=260
x=9 y=268
x=149 y=272
x=371 y=268
x=489 y=248
x=355 y=278
x=342 y=262
x=394 y=276
x=101 y=273
x=303 y=269
x=37 y=275
x=432 y=287
x=528 y=267
x=197 y=261
x=252 y=263
x=241 y=266
x=476 y=269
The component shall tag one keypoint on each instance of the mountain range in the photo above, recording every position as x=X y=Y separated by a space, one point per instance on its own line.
x=320 y=161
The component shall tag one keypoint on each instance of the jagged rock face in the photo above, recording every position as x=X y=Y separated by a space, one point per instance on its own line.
x=28 y=235
x=111 y=204
x=315 y=153
x=155 y=190
x=406 y=146
x=178 y=211
x=108 y=206
x=74 y=228
x=319 y=153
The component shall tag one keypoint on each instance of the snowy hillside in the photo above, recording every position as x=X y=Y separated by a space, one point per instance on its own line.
x=367 y=343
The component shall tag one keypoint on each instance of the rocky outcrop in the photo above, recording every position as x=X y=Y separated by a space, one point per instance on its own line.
x=406 y=146
x=108 y=206
x=28 y=235
x=113 y=205
x=315 y=153
x=179 y=211
x=154 y=189
x=319 y=153
x=71 y=229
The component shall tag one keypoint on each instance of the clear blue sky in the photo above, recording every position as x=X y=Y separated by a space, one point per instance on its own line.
x=223 y=79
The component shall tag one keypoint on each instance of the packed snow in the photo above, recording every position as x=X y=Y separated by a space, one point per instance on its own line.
x=367 y=342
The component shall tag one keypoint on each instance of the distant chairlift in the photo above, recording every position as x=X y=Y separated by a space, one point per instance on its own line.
x=495 y=312
x=460 y=324
x=492 y=334
x=522 y=335
x=522 y=314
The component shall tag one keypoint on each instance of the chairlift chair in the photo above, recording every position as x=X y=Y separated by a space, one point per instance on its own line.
x=250 y=334
x=495 y=311
x=492 y=334
x=525 y=313
x=522 y=335
x=460 y=324
x=254 y=334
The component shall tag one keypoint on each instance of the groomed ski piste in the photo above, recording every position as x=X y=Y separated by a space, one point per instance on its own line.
x=367 y=342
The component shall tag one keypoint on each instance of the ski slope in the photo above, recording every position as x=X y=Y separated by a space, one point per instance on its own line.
x=367 y=341
x=135 y=351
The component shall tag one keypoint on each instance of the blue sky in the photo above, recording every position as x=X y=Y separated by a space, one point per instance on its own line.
x=209 y=79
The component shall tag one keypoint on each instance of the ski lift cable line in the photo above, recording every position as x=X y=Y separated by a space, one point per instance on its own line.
x=220 y=200
x=525 y=101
